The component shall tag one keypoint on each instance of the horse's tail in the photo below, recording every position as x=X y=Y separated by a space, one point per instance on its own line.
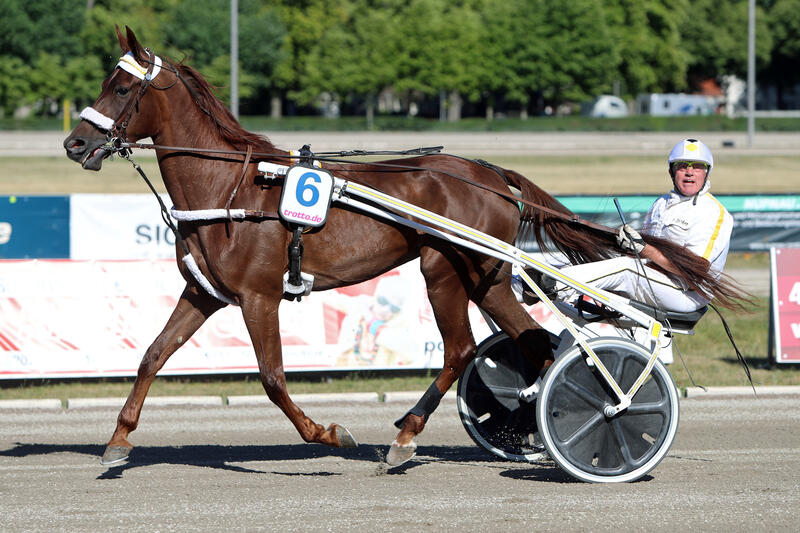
x=582 y=243
x=578 y=242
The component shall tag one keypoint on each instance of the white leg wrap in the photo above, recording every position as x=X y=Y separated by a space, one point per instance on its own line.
x=189 y=261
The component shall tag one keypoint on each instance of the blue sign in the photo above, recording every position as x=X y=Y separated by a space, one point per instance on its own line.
x=34 y=227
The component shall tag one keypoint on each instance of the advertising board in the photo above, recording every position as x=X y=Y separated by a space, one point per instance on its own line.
x=129 y=226
x=97 y=318
x=119 y=226
x=785 y=297
x=34 y=227
x=760 y=222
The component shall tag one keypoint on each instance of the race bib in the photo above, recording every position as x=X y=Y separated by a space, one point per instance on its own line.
x=306 y=196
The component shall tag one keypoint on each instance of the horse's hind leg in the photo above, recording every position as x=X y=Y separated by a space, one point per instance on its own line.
x=261 y=317
x=449 y=301
x=190 y=313
x=502 y=306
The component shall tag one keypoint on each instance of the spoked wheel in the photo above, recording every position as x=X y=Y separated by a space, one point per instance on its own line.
x=490 y=405
x=578 y=435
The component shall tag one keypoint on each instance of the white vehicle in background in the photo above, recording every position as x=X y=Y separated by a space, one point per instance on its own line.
x=676 y=104
x=608 y=106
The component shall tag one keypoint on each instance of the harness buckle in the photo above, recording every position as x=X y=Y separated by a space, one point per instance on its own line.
x=296 y=284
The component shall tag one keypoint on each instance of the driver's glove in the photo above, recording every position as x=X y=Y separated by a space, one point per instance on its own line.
x=630 y=240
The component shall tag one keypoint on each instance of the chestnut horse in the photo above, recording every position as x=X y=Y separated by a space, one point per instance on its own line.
x=245 y=260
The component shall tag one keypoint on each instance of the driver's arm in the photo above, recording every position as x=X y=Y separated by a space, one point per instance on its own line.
x=654 y=254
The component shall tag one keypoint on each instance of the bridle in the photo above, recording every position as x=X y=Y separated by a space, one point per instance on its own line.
x=117 y=130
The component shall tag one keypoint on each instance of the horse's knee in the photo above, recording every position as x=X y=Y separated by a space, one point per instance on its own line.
x=456 y=361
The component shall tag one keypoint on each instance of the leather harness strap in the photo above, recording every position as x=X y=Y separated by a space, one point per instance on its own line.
x=570 y=217
x=241 y=179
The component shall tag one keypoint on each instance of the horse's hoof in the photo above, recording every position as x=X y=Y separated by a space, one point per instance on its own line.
x=115 y=455
x=345 y=438
x=400 y=454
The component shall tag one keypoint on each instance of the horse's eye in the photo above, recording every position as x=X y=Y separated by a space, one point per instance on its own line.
x=121 y=91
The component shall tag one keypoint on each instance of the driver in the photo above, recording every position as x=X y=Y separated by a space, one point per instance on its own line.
x=687 y=215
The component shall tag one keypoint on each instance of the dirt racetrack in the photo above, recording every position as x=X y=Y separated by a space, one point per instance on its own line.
x=486 y=144
x=735 y=466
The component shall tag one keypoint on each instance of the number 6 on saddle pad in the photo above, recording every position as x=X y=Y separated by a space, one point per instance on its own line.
x=306 y=196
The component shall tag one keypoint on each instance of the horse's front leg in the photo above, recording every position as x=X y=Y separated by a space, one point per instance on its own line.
x=192 y=310
x=261 y=317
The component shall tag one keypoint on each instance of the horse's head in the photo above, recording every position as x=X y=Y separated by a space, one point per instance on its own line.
x=124 y=111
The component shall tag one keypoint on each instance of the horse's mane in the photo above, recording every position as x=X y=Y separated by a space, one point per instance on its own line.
x=229 y=128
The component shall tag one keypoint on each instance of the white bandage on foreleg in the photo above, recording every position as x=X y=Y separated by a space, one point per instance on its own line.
x=191 y=264
x=94 y=116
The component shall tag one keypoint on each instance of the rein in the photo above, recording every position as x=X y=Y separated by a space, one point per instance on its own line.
x=573 y=218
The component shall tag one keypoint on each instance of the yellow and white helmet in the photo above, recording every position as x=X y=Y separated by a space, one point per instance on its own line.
x=690 y=150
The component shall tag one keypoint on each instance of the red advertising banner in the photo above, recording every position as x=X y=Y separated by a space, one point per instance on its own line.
x=786 y=303
x=66 y=318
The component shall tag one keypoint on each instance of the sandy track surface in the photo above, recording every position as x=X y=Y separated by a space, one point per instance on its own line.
x=23 y=143
x=735 y=466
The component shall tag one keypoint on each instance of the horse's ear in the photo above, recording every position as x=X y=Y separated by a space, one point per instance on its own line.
x=134 y=46
x=123 y=41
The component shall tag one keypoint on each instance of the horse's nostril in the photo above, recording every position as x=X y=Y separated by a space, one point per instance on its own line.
x=76 y=145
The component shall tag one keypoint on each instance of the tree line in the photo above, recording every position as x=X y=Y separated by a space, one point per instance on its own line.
x=427 y=55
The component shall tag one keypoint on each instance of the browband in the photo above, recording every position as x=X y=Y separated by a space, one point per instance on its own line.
x=132 y=67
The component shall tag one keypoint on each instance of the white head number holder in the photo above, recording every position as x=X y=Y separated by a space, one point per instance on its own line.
x=306 y=196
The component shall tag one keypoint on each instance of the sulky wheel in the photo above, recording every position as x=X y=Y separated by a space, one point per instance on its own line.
x=578 y=435
x=489 y=402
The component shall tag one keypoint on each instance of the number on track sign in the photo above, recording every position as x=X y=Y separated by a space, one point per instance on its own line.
x=306 y=196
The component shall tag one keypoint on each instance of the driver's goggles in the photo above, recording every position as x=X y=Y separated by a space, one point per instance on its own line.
x=684 y=165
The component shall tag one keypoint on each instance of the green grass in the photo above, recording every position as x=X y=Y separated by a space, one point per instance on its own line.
x=559 y=175
x=237 y=385
x=712 y=360
x=538 y=123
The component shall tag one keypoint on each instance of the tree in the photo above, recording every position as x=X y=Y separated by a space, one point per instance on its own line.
x=305 y=22
x=16 y=28
x=33 y=26
x=355 y=59
x=262 y=35
x=780 y=67
x=649 y=43
x=513 y=52
x=440 y=40
x=723 y=48
x=581 y=54
x=144 y=17
x=15 y=85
